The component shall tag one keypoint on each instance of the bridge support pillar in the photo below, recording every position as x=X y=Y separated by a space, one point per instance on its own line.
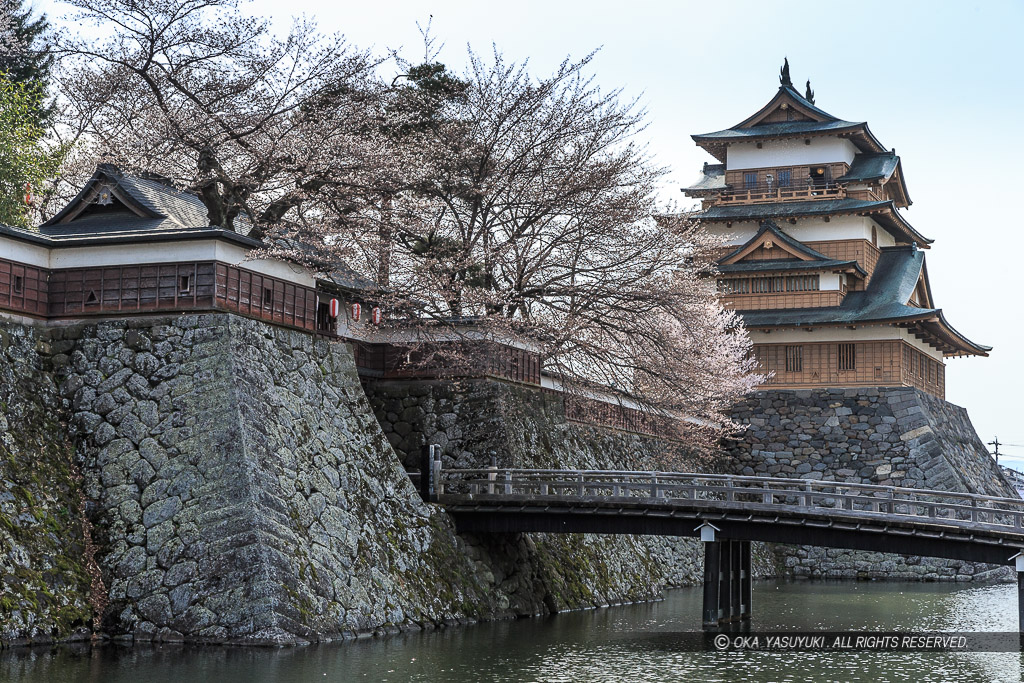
x=746 y=587
x=712 y=582
x=735 y=578
x=727 y=583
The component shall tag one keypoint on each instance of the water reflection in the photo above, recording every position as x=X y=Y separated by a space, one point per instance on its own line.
x=614 y=644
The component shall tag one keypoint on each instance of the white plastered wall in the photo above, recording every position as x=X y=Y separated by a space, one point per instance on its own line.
x=813 y=229
x=156 y=252
x=793 y=152
x=23 y=252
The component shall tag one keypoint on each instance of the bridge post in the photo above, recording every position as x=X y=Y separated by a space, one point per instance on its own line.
x=430 y=473
x=1019 y=562
x=735 y=577
x=725 y=584
x=712 y=568
x=746 y=587
x=437 y=465
x=426 y=471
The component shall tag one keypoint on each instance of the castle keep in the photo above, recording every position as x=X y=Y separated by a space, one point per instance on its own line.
x=828 y=276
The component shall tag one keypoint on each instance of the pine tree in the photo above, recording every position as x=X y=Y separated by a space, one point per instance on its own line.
x=25 y=55
x=27 y=160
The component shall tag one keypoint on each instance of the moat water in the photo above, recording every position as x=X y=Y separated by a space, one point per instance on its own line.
x=630 y=643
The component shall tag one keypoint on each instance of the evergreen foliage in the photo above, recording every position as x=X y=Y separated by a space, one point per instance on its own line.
x=26 y=56
x=27 y=161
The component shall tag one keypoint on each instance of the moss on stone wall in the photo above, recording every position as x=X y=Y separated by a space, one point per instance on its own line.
x=44 y=586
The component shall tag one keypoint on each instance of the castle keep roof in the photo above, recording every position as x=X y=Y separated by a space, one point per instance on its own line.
x=885 y=300
x=814 y=122
x=884 y=212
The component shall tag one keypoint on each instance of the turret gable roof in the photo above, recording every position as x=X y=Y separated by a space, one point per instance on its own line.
x=131 y=204
x=769 y=229
x=803 y=257
x=789 y=96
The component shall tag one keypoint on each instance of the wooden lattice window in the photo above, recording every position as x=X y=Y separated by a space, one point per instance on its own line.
x=802 y=283
x=847 y=356
x=749 y=181
x=794 y=359
x=785 y=177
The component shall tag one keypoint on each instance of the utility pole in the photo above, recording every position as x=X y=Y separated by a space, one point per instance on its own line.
x=995 y=442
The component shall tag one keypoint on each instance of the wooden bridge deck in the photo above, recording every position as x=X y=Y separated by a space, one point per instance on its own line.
x=922 y=522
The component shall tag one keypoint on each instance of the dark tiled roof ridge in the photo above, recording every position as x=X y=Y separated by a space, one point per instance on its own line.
x=790 y=264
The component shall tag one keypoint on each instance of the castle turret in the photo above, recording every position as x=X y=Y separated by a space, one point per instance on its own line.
x=828 y=276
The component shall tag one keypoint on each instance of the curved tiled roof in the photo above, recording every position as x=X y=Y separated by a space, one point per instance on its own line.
x=146 y=205
x=780 y=265
x=885 y=212
x=868 y=166
x=884 y=301
x=822 y=123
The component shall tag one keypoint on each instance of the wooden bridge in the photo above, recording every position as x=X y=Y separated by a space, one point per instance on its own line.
x=728 y=512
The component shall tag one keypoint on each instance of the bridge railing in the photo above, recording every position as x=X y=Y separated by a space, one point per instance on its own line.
x=735 y=491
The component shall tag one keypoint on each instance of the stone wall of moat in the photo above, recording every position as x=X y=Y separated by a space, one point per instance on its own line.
x=896 y=436
x=213 y=478
x=44 y=577
x=239 y=488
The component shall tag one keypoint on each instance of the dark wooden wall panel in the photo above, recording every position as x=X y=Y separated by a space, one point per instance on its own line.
x=23 y=288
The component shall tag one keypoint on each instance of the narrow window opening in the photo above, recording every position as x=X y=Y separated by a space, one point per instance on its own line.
x=874 y=236
x=185 y=284
x=268 y=297
x=794 y=359
x=91 y=297
x=847 y=356
x=19 y=284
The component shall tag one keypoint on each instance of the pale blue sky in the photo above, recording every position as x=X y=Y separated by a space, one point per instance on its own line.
x=940 y=82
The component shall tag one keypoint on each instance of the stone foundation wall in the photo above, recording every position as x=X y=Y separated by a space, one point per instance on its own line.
x=889 y=436
x=44 y=582
x=242 y=490
x=241 y=485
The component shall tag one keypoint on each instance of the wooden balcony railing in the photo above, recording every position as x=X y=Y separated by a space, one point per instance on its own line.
x=765 y=192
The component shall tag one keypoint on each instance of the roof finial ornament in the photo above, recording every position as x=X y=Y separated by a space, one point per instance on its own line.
x=784 y=78
x=809 y=95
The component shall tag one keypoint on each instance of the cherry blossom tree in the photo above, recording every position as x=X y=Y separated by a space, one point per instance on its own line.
x=259 y=125
x=517 y=207
x=535 y=216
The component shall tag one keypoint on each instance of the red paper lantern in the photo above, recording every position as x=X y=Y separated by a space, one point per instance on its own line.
x=377 y=315
x=335 y=308
x=356 y=310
